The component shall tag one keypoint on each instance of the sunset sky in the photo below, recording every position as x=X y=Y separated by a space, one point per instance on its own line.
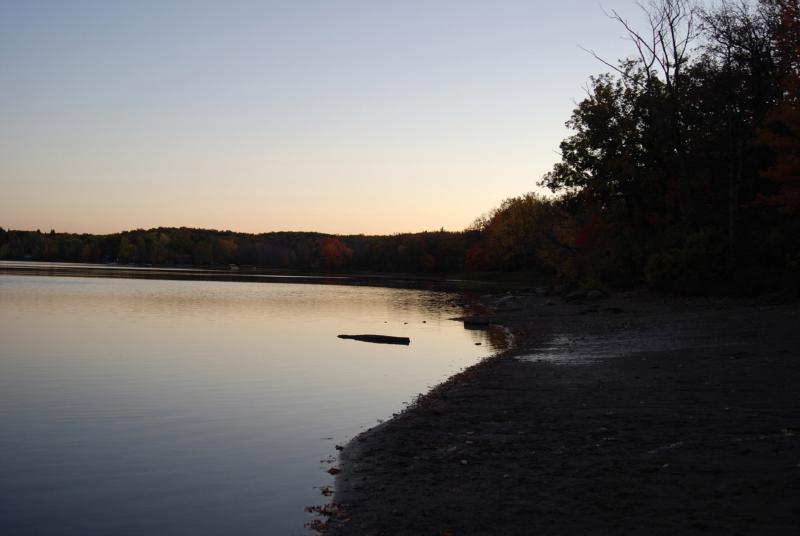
x=334 y=116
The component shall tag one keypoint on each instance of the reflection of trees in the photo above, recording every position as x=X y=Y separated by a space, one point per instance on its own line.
x=495 y=337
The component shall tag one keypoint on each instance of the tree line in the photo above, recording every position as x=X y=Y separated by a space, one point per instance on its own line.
x=683 y=169
x=682 y=173
x=434 y=252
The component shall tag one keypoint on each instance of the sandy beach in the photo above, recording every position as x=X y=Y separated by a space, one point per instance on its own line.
x=619 y=415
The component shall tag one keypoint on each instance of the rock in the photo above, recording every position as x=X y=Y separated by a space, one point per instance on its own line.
x=508 y=303
x=477 y=322
x=575 y=295
x=595 y=295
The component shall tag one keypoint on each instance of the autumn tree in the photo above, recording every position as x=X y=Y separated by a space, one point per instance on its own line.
x=335 y=254
x=781 y=127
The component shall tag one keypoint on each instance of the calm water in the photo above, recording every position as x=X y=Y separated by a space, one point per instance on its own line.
x=198 y=407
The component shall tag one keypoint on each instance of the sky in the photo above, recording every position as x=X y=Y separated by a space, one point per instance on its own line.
x=343 y=116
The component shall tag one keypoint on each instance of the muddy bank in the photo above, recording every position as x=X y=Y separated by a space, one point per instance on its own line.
x=630 y=415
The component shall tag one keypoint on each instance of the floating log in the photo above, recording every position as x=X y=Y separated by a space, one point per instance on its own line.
x=378 y=339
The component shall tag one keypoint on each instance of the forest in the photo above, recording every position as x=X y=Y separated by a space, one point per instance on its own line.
x=681 y=174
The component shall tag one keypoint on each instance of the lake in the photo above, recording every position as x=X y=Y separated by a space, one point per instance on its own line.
x=147 y=406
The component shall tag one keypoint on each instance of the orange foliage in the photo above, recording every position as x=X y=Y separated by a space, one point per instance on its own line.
x=476 y=258
x=335 y=254
x=590 y=230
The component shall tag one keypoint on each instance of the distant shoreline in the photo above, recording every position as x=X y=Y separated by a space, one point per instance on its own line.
x=254 y=275
x=617 y=416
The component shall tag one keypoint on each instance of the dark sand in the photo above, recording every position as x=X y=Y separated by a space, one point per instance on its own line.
x=669 y=417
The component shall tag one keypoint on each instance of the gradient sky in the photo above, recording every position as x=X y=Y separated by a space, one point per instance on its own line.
x=335 y=116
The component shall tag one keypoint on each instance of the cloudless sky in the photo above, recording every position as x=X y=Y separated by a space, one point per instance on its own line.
x=336 y=116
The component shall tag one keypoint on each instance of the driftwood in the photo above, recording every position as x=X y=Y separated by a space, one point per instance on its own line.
x=378 y=339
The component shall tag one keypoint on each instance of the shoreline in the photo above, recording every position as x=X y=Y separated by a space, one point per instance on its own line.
x=411 y=281
x=608 y=416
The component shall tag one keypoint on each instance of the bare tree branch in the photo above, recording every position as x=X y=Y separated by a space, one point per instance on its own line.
x=672 y=30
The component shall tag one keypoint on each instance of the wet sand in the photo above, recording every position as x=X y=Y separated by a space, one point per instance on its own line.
x=624 y=415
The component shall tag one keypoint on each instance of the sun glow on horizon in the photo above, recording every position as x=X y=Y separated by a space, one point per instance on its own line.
x=345 y=119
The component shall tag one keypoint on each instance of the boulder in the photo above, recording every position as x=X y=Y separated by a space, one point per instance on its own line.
x=477 y=322
x=575 y=295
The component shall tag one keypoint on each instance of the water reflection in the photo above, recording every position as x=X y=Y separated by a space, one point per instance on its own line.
x=198 y=407
x=246 y=275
